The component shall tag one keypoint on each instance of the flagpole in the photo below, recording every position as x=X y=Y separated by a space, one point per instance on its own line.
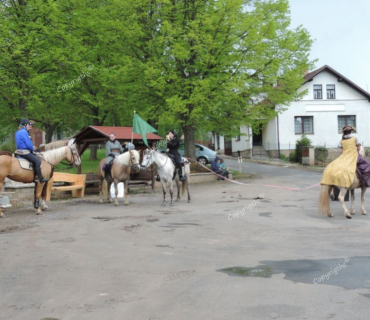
x=132 y=133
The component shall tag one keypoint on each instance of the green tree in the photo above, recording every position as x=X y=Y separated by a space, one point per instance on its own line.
x=213 y=65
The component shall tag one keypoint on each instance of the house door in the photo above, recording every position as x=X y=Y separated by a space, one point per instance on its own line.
x=228 y=147
x=257 y=138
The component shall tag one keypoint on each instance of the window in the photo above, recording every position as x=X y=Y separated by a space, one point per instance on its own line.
x=346 y=121
x=330 y=91
x=303 y=125
x=317 y=91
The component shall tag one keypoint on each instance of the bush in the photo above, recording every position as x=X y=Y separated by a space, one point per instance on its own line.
x=321 y=153
x=303 y=142
x=293 y=157
x=8 y=146
x=283 y=157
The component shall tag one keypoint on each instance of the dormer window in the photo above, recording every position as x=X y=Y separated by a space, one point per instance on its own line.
x=330 y=91
x=317 y=91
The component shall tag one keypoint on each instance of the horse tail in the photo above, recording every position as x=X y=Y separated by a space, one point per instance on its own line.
x=104 y=188
x=183 y=186
x=324 y=199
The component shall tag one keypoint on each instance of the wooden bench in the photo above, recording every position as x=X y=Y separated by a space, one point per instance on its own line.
x=77 y=184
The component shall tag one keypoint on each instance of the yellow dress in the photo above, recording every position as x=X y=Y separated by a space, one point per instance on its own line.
x=341 y=171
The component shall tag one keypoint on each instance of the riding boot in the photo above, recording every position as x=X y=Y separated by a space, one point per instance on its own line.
x=106 y=170
x=179 y=169
x=38 y=173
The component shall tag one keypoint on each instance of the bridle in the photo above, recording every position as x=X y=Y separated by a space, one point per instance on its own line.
x=150 y=159
x=131 y=164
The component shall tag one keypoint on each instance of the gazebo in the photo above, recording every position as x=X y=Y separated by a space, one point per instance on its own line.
x=100 y=135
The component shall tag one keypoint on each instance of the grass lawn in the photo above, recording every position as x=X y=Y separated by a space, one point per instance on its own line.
x=87 y=165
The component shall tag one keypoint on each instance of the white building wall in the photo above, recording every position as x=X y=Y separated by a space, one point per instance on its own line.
x=269 y=135
x=245 y=142
x=325 y=114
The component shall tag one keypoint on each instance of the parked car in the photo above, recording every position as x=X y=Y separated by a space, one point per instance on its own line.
x=203 y=154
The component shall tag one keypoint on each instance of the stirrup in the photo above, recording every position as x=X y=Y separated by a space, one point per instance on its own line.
x=181 y=177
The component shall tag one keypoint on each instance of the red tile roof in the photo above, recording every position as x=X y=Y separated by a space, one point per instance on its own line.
x=123 y=133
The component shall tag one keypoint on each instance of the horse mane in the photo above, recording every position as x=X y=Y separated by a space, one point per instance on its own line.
x=54 y=155
x=124 y=157
x=54 y=145
x=6 y=153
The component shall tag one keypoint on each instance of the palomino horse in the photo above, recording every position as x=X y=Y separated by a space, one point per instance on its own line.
x=120 y=172
x=10 y=168
x=326 y=190
x=165 y=169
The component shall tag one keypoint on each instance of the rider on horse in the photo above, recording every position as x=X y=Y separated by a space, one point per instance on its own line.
x=173 y=151
x=113 y=149
x=25 y=148
x=341 y=171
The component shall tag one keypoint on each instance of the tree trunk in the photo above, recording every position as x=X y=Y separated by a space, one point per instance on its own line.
x=49 y=130
x=93 y=152
x=189 y=136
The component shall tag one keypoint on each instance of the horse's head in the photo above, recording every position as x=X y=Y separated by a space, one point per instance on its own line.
x=135 y=159
x=147 y=158
x=73 y=157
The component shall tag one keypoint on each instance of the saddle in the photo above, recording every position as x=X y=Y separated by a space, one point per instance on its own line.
x=184 y=161
x=24 y=163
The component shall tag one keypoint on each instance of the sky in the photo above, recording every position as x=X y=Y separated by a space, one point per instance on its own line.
x=341 y=33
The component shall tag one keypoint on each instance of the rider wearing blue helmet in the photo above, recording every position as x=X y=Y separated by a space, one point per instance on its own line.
x=25 y=147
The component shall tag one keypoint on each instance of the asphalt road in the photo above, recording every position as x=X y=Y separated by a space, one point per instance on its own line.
x=235 y=252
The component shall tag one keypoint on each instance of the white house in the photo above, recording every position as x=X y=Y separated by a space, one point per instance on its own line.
x=331 y=102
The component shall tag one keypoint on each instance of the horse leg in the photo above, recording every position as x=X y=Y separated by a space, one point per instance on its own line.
x=363 y=190
x=178 y=189
x=187 y=186
x=2 y=215
x=171 y=192
x=341 y=196
x=125 y=195
x=351 y=210
x=38 y=190
x=100 y=189
x=109 y=184
x=43 y=196
x=116 y=193
x=164 y=193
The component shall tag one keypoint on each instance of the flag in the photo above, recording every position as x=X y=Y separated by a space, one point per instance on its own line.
x=142 y=127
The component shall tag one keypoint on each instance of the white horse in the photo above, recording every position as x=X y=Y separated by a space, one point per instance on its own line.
x=326 y=190
x=165 y=169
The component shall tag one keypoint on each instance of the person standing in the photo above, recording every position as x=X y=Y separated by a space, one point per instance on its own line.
x=173 y=149
x=112 y=149
x=25 y=148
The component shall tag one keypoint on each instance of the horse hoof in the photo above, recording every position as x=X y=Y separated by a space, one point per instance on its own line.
x=349 y=217
x=189 y=201
x=172 y=205
x=110 y=200
x=116 y=204
x=101 y=201
x=330 y=215
x=364 y=213
x=2 y=215
x=126 y=203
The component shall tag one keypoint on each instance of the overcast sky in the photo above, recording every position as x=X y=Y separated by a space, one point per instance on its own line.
x=341 y=33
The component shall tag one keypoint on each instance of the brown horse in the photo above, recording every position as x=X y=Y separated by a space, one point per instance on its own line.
x=326 y=190
x=10 y=168
x=120 y=172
